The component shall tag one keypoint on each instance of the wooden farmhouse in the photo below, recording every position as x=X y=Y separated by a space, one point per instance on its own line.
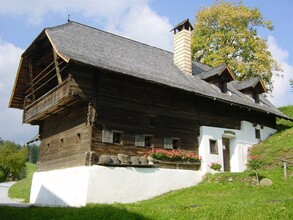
x=94 y=93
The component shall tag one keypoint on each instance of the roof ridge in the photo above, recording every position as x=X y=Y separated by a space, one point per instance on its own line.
x=115 y=35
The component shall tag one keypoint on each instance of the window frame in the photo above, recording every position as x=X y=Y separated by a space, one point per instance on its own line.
x=108 y=136
x=120 y=133
x=257 y=133
x=214 y=149
x=169 y=143
x=140 y=140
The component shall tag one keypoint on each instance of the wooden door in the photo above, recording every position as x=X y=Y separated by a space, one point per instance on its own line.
x=226 y=153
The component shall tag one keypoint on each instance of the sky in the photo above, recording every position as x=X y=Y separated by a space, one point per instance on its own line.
x=147 y=21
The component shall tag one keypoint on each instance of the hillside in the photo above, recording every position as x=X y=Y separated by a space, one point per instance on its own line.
x=279 y=145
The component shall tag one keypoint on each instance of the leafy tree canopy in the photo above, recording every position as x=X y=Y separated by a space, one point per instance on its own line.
x=226 y=33
x=12 y=159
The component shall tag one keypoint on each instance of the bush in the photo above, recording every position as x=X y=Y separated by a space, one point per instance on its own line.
x=12 y=160
x=2 y=177
x=216 y=166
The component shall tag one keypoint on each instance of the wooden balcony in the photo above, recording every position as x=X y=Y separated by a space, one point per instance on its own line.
x=50 y=103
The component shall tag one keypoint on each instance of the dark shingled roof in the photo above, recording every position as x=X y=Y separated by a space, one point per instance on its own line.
x=249 y=83
x=215 y=71
x=81 y=43
x=198 y=68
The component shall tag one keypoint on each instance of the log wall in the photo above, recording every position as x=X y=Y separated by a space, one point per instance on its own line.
x=65 y=139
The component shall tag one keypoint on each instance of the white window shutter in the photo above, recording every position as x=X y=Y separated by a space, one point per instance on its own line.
x=168 y=143
x=139 y=140
x=107 y=136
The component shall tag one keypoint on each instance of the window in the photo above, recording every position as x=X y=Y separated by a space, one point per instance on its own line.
x=144 y=140
x=117 y=137
x=171 y=143
x=175 y=143
x=223 y=86
x=256 y=97
x=112 y=137
x=78 y=138
x=48 y=147
x=214 y=147
x=257 y=133
x=61 y=143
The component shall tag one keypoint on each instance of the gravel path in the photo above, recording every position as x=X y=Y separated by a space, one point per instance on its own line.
x=4 y=198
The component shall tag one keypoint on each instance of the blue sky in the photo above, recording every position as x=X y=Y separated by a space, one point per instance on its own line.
x=148 y=21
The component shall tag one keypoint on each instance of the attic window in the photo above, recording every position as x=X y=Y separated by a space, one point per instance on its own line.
x=171 y=143
x=144 y=140
x=256 y=97
x=223 y=86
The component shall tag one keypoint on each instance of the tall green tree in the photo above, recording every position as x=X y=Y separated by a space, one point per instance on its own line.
x=12 y=160
x=227 y=33
x=33 y=153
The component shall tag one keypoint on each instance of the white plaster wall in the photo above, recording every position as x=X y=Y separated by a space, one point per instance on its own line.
x=98 y=184
x=239 y=144
x=66 y=187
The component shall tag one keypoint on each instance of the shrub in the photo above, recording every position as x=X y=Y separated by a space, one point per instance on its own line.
x=254 y=162
x=216 y=166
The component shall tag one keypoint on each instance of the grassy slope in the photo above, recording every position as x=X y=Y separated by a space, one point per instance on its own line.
x=279 y=145
x=21 y=189
x=216 y=198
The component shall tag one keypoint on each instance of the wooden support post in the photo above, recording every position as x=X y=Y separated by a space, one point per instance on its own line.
x=285 y=170
x=30 y=67
x=57 y=67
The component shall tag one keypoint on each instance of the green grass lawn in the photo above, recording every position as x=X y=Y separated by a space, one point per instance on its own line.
x=221 y=196
x=21 y=189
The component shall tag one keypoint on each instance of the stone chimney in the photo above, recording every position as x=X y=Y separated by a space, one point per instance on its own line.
x=182 y=46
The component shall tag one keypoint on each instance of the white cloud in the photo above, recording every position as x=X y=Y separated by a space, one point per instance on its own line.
x=11 y=127
x=130 y=18
x=282 y=93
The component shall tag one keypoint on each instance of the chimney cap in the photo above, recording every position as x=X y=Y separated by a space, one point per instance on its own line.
x=183 y=25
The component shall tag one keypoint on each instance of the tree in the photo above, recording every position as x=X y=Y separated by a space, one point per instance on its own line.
x=12 y=160
x=33 y=153
x=291 y=83
x=226 y=33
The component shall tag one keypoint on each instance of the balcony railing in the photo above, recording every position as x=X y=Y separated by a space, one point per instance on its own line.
x=50 y=103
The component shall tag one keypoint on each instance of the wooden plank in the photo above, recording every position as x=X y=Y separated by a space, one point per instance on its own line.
x=57 y=67
x=31 y=80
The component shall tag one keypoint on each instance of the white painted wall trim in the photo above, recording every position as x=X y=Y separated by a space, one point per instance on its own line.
x=240 y=141
x=79 y=186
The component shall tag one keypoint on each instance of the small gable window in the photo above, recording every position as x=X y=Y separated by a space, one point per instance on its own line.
x=256 y=97
x=223 y=86
x=144 y=140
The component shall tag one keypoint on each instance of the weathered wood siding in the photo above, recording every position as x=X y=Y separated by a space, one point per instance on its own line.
x=126 y=104
x=65 y=139
x=113 y=101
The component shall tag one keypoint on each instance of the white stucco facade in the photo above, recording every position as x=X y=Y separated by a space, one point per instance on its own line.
x=240 y=141
x=79 y=186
